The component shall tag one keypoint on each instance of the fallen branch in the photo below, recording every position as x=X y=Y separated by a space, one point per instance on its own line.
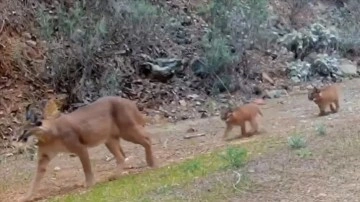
x=193 y=136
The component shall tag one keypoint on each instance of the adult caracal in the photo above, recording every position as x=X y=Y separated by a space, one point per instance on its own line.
x=239 y=116
x=104 y=121
x=324 y=97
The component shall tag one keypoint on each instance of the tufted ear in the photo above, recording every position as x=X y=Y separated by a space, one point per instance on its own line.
x=317 y=90
x=51 y=110
x=30 y=115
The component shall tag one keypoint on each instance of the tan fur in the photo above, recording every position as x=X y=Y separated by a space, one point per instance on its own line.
x=104 y=121
x=239 y=116
x=324 y=97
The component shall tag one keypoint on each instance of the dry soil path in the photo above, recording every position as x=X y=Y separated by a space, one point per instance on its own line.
x=281 y=117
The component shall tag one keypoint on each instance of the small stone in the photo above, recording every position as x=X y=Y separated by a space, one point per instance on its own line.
x=259 y=101
x=295 y=79
x=109 y=158
x=9 y=154
x=57 y=168
x=204 y=115
x=184 y=117
x=27 y=35
x=157 y=117
x=182 y=103
x=251 y=171
x=193 y=96
x=187 y=21
x=31 y=43
x=267 y=78
x=275 y=93
x=190 y=130
x=321 y=195
x=348 y=67
x=309 y=87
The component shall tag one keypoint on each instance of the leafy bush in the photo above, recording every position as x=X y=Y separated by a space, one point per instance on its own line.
x=316 y=39
x=218 y=54
x=348 y=25
x=295 y=8
x=234 y=27
x=141 y=12
x=80 y=37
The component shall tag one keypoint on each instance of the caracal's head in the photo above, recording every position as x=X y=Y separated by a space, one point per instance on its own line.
x=39 y=125
x=314 y=94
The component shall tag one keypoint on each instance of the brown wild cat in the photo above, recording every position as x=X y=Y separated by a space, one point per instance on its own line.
x=239 y=116
x=105 y=121
x=324 y=97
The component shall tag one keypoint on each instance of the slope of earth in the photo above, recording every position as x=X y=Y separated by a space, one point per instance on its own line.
x=272 y=173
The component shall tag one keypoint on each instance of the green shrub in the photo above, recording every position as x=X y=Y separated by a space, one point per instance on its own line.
x=217 y=53
x=347 y=22
x=142 y=11
x=85 y=34
x=235 y=26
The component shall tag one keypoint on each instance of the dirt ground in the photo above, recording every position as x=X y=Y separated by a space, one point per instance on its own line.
x=279 y=176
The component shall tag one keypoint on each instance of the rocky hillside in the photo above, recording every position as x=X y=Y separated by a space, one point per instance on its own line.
x=178 y=59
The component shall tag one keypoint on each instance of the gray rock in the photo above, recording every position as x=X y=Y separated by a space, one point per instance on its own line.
x=31 y=43
x=270 y=94
x=348 y=67
x=198 y=67
x=186 y=21
x=323 y=65
x=163 y=68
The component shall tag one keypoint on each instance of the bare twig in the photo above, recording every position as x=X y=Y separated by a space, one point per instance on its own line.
x=2 y=25
x=193 y=136
x=238 y=180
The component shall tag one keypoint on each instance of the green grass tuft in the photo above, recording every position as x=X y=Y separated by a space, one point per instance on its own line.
x=321 y=130
x=304 y=153
x=235 y=157
x=296 y=142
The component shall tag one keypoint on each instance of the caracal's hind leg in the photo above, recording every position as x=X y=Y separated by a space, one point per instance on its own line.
x=113 y=145
x=138 y=135
x=322 y=109
x=336 y=108
x=243 y=130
